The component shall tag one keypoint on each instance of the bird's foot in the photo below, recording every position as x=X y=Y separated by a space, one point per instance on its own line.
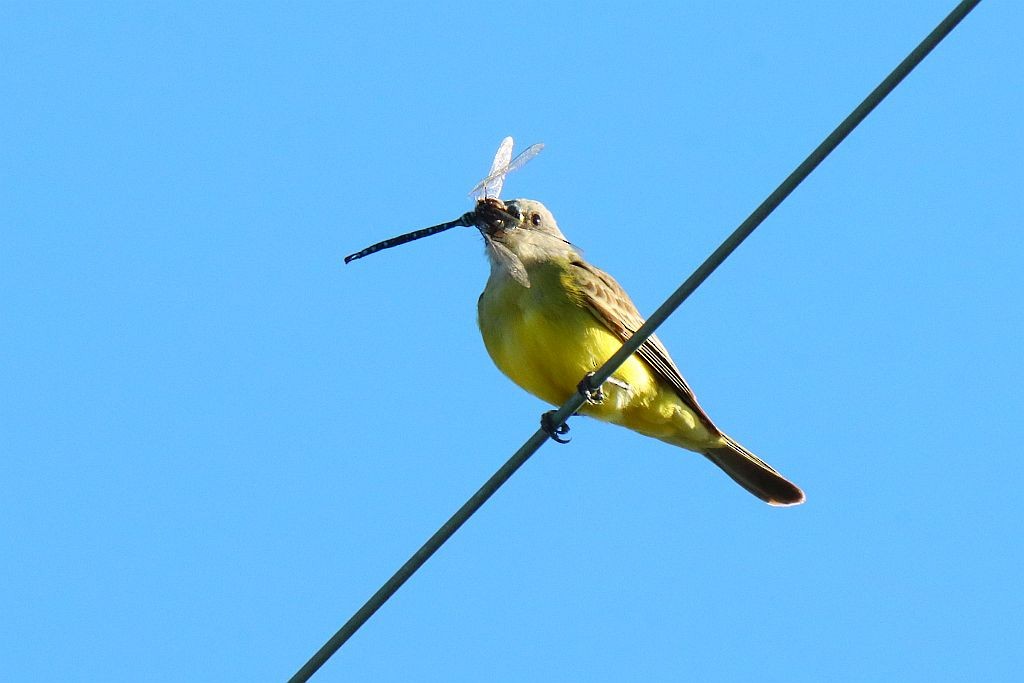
x=547 y=423
x=594 y=396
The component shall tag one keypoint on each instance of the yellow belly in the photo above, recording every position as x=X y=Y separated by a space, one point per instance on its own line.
x=545 y=340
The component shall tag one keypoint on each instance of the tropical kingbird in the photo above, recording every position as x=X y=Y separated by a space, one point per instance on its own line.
x=549 y=318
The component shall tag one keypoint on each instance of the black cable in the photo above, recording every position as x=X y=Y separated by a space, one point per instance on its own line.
x=666 y=309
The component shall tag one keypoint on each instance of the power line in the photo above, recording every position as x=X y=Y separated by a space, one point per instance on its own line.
x=659 y=316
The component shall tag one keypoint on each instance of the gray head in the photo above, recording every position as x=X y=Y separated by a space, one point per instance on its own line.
x=513 y=246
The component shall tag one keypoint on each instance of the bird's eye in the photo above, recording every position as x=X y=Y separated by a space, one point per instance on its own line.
x=535 y=219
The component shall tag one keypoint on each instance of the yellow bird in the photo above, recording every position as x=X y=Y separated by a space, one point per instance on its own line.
x=548 y=318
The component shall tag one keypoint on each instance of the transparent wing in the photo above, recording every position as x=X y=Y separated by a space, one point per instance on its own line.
x=502 y=157
x=514 y=264
x=492 y=184
x=524 y=156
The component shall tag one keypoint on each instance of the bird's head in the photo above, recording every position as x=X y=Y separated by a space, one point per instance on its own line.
x=518 y=233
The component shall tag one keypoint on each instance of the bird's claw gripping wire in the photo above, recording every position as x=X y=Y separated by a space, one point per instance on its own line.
x=547 y=424
x=594 y=396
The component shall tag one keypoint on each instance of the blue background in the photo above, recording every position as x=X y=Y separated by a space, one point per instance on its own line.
x=217 y=441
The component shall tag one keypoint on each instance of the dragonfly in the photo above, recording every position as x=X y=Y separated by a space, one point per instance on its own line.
x=488 y=207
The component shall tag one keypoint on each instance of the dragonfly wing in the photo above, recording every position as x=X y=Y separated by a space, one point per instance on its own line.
x=512 y=263
x=501 y=158
x=490 y=187
x=524 y=156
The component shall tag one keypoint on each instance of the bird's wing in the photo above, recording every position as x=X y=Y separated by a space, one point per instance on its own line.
x=610 y=304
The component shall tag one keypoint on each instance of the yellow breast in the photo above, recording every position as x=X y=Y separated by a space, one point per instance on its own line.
x=544 y=339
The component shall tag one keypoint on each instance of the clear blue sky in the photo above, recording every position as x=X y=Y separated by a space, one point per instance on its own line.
x=217 y=441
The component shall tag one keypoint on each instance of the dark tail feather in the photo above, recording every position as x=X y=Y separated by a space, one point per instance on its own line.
x=754 y=474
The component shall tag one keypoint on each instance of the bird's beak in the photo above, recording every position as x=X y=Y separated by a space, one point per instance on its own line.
x=492 y=217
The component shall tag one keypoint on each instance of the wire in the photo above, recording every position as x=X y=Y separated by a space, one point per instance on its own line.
x=664 y=311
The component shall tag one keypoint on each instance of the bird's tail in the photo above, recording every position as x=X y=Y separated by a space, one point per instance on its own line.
x=754 y=474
